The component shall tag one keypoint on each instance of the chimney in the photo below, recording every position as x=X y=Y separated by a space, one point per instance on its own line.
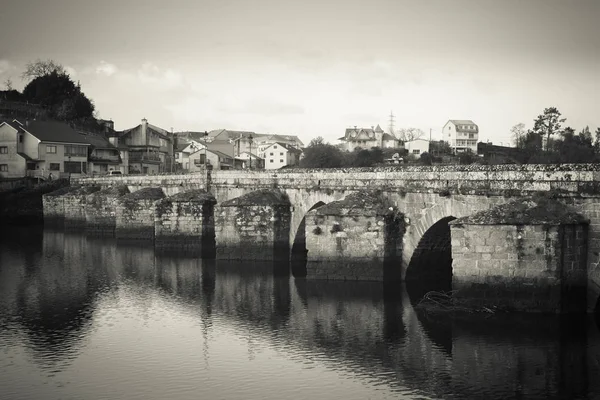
x=144 y=130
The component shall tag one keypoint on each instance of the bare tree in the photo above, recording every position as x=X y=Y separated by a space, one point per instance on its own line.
x=518 y=133
x=409 y=134
x=41 y=68
x=8 y=83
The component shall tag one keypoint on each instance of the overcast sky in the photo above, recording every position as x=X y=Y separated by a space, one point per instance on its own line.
x=315 y=67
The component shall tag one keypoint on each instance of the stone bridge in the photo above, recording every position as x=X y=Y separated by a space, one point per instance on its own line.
x=427 y=198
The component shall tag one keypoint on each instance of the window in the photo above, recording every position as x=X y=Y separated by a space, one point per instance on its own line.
x=271 y=160
x=416 y=151
x=270 y=154
x=3 y=150
x=471 y=135
x=20 y=138
x=78 y=151
x=275 y=146
x=50 y=149
x=281 y=161
x=280 y=154
x=54 y=167
x=449 y=128
x=176 y=155
x=3 y=167
x=73 y=167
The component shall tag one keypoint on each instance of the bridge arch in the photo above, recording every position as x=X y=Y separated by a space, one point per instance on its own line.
x=430 y=267
x=419 y=224
x=298 y=246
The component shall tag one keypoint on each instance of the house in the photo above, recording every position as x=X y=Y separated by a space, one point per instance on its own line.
x=390 y=142
x=216 y=159
x=183 y=151
x=150 y=148
x=462 y=135
x=12 y=158
x=367 y=138
x=417 y=147
x=103 y=156
x=113 y=139
x=249 y=160
x=41 y=148
x=279 y=155
x=247 y=141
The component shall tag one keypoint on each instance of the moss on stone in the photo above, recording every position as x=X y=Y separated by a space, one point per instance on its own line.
x=114 y=191
x=361 y=203
x=262 y=197
x=199 y=196
x=145 y=194
x=530 y=211
x=63 y=191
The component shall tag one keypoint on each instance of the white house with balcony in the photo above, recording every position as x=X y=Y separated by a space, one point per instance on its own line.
x=461 y=134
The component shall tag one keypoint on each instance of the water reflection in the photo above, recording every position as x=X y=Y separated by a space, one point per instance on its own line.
x=94 y=312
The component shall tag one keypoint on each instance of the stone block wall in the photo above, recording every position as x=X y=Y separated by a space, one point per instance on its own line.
x=75 y=205
x=252 y=232
x=574 y=241
x=520 y=267
x=347 y=247
x=100 y=210
x=135 y=214
x=186 y=224
x=53 y=205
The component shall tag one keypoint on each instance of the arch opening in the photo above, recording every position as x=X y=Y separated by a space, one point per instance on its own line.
x=299 y=251
x=430 y=268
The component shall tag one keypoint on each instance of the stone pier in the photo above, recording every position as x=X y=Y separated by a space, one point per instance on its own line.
x=100 y=210
x=135 y=213
x=185 y=222
x=53 y=205
x=352 y=239
x=255 y=226
x=524 y=256
x=75 y=206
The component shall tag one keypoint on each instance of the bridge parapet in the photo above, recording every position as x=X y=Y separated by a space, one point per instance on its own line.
x=581 y=179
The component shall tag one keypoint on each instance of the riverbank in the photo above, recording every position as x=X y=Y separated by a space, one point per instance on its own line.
x=23 y=205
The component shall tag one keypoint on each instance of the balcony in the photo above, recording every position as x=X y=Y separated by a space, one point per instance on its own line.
x=143 y=157
x=105 y=159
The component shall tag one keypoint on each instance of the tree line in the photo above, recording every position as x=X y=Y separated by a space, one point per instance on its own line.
x=50 y=86
x=549 y=142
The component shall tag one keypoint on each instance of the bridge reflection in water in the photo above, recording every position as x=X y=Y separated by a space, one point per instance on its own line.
x=87 y=318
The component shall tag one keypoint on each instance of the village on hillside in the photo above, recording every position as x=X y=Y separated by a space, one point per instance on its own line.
x=38 y=147
x=50 y=130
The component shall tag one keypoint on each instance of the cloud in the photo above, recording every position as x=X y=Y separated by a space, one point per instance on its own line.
x=167 y=79
x=4 y=66
x=106 y=68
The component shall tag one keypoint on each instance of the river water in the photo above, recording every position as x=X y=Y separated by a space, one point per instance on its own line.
x=88 y=318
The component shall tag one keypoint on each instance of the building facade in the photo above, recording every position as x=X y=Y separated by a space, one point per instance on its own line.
x=278 y=155
x=461 y=135
x=150 y=148
x=42 y=149
x=367 y=138
x=417 y=147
